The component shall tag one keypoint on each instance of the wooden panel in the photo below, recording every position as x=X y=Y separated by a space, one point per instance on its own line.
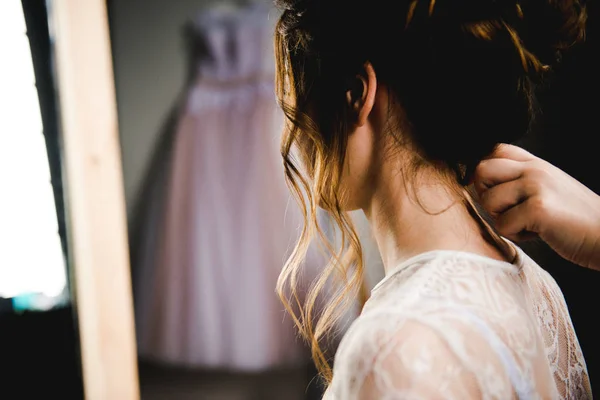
x=95 y=199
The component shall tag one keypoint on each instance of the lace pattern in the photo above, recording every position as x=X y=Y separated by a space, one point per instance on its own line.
x=451 y=325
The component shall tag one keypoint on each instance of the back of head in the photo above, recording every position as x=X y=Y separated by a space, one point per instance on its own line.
x=462 y=74
x=463 y=71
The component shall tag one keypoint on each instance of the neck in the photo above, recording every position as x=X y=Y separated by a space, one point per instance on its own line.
x=433 y=218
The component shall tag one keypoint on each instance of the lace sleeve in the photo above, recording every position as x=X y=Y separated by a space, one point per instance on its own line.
x=424 y=358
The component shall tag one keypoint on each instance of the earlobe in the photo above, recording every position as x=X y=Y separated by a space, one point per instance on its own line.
x=369 y=86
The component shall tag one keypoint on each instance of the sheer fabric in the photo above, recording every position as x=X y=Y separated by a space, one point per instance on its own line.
x=452 y=325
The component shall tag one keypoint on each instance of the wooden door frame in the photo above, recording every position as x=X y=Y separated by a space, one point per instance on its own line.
x=95 y=199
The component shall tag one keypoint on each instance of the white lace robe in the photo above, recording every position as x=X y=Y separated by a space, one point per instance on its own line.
x=452 y=325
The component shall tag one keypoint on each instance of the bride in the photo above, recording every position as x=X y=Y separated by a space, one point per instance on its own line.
x=390 y=107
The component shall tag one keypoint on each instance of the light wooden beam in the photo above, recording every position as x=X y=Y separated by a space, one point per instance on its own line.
x=95 y=199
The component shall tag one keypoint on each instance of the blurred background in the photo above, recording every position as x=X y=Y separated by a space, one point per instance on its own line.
x=210 y=219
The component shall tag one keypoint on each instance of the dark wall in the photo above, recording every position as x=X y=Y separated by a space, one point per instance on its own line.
x=39 y=355
x=567 y=138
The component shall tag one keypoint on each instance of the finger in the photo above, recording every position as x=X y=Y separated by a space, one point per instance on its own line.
x=516 y=222
x=500 y=198
x=490 y=173
x=511 y=152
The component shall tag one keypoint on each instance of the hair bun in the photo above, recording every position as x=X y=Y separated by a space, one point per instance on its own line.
x=551 y=26
x=544 y=27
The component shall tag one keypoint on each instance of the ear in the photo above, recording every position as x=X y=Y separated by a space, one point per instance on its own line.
x=361 y=96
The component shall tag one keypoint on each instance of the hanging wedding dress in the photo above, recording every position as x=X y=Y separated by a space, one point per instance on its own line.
x=229 y=222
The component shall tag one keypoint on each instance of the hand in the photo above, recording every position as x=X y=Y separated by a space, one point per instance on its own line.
x=527 y=196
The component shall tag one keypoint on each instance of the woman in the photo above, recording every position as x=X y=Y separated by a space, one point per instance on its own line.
x=391 y=105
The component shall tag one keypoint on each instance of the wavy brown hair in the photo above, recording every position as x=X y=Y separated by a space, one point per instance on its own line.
x=461 y=75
